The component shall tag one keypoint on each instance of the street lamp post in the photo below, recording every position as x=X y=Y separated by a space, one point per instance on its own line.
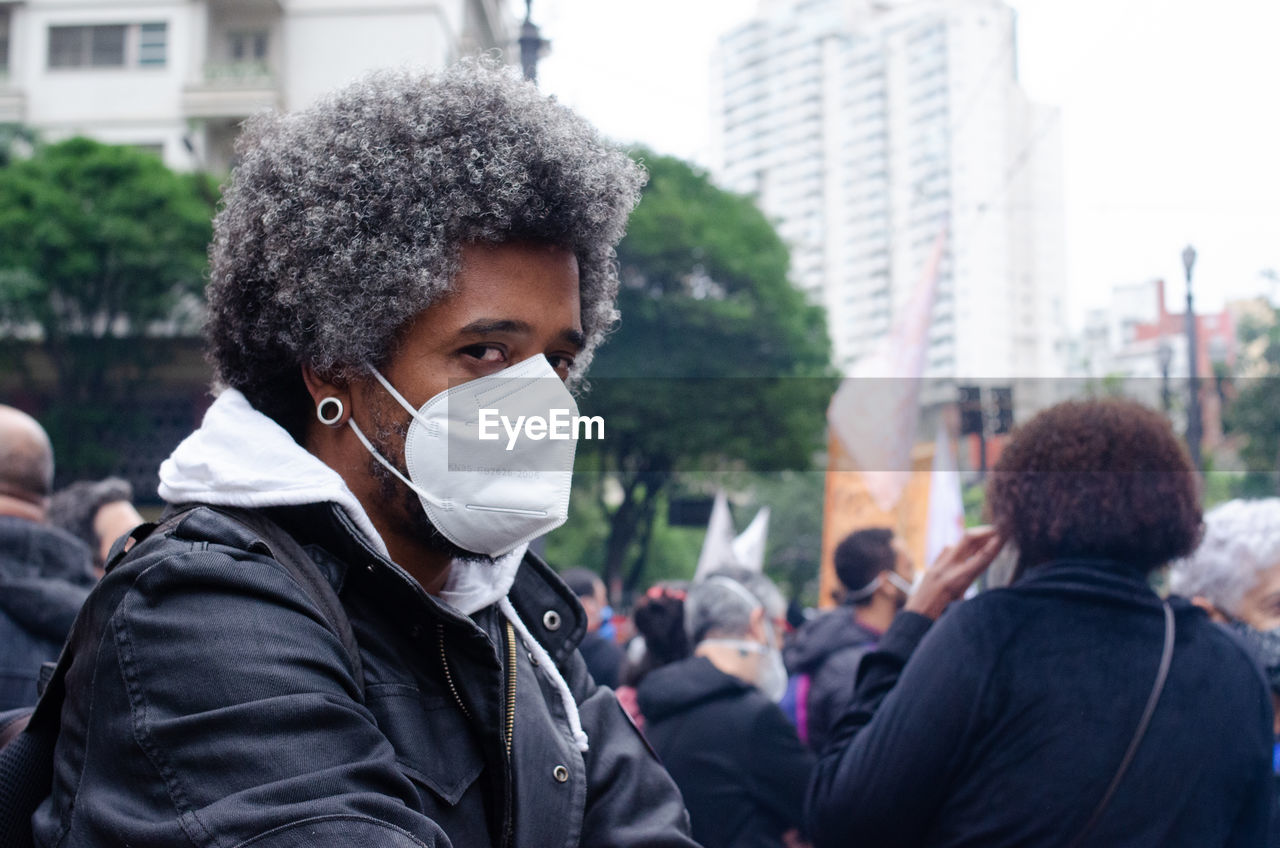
x=1195 y=427
x=1165 y=354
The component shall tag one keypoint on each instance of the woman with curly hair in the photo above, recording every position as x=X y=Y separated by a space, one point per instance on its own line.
x=1073 y=707
x=340 y=638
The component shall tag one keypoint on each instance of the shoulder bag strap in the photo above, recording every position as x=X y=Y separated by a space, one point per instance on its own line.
x=1166 y=658
x=286 y=551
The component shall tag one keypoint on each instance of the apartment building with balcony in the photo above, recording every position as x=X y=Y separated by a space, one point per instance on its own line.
x=179 y=76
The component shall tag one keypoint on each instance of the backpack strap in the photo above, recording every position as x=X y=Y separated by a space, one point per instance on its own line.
x=284 y=549
x=26 y=777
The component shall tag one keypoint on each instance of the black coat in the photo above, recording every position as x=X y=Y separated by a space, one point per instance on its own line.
x=45 y=575
x=603 y=659
x=1014 y=711
x=732 y=752
x=209 y=702
x=826 y=651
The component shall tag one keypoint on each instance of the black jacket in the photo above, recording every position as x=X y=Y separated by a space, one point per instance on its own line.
x=732 y=752
x=603 y=658
x=45 y=575
x=211 y=703
x=826 y=651
x=1016 y=708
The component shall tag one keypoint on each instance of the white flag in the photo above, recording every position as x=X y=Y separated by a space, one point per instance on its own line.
x=748 y=548
x=717 y=547
x=873 y=413
x=946 y=504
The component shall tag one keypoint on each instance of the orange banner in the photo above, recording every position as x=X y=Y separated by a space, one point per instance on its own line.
x=849 y=505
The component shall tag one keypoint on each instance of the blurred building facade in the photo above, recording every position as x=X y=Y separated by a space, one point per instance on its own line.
x=178 y=76
x=1137 y=337
x=866 y=129
x=1137 y=347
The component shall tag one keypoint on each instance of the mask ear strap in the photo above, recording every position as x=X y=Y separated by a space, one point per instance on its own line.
x=391 y=390
x=867 y=590
x=899 y=582
x=351 y=422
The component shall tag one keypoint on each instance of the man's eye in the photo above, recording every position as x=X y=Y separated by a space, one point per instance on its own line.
x=562 y=364
x=485 y=353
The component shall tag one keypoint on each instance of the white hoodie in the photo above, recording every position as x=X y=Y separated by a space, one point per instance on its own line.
x=239 y=457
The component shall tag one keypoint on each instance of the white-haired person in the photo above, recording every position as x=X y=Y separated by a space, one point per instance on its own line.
x=341 y=639
x=713 y=717
x=1235 y=575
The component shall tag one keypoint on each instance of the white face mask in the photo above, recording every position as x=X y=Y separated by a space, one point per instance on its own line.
x=772 y=680
x=771 y=673
x=489 y=496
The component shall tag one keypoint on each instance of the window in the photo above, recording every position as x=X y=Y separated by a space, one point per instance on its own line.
x=152 y=44
x=247 y=46
x=4 y=40
x=86 y=46
x=108 y=46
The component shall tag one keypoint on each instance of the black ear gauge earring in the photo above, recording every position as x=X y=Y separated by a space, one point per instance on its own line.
x=329 y=411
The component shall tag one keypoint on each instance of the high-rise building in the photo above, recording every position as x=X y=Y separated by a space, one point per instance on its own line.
x=179 y=76
x=876 y=133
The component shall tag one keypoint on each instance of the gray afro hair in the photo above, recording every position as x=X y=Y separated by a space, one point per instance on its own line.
x=345 y=220
x=1241 y=542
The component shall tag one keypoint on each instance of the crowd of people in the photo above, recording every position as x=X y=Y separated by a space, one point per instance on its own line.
x=338 y=635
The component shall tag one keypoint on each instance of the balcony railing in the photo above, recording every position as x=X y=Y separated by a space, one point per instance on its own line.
x=231 y=90
x=239 y=75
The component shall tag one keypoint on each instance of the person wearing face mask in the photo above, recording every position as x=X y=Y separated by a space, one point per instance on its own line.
x=1234 y=575
x=822 y=656
x=714 y=720
x=1075 y=706
x=339 y=637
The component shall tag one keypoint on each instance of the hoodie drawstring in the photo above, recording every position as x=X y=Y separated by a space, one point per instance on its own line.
x=544 y=660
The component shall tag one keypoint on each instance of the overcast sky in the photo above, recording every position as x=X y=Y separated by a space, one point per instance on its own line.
x=1171 y=120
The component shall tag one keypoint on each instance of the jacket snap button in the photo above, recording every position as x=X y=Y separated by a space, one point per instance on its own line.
x=532 y=658
x=551 y=620
x=560 y=773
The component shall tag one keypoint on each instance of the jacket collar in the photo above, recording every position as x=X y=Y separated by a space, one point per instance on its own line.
x=239 y=457
x=1097 y=578
x=551 y=610
x=549 y=607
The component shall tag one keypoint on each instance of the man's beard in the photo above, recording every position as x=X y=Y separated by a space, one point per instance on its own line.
x=388 y=438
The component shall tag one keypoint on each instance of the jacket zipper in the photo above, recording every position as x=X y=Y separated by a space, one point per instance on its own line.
x=511 y=687
x=509 y=835
x=448 y=675
x=510 y=704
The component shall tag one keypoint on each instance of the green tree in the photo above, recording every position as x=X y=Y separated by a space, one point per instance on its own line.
x=718 y=362
x=101 y=249
x=1255 y=411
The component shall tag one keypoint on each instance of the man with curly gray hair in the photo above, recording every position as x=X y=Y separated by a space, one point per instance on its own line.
x=339 y=637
